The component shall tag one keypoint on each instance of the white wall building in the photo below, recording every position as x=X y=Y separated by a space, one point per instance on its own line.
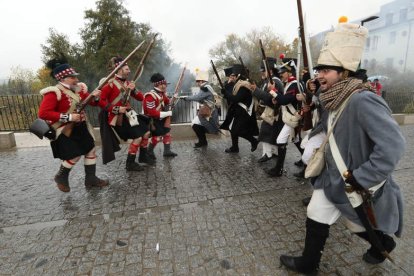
x=391 y=37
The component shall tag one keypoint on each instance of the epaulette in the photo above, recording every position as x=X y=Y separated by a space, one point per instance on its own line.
x=52 y=89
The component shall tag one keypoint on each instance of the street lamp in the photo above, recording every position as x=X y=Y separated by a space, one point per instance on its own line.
x=368 y=19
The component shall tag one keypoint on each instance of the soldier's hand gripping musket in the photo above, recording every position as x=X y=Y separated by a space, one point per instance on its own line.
x=67 y=130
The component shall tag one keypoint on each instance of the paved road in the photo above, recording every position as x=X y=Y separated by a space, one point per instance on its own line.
x=210 y=213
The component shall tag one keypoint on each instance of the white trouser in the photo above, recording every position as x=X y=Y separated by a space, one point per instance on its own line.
x=269 y=149
x=313 y=143
x=284 y=134
x=321 y=210
x=196 y=121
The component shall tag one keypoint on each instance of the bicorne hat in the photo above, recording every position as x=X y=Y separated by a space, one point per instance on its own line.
x=228 y=71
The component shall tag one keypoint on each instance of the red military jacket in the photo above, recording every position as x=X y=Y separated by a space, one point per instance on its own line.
x=155 y=102
x=56 y=101
x=110 y=93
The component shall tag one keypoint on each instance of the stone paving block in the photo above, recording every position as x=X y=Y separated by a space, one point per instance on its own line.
x=221 y=215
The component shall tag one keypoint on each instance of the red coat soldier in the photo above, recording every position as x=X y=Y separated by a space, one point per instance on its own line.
x=156 y=105
x=122 y=118
x=58 y=109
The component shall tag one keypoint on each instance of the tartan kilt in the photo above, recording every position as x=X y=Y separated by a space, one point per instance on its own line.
x=125 y=131
x=79 y=143
x=157 y=127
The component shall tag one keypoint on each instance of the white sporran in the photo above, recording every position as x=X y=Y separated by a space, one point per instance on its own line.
x=132 y=117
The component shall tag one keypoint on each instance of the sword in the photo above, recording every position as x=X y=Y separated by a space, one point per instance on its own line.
x=360 y=199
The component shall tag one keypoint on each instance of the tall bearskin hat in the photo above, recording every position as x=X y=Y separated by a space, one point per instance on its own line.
x=60 y=68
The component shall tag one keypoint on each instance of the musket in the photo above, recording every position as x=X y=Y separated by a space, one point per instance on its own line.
x=217 y=74
x=307 y=116
x=177 y=89
x=361 y=201
x=135 y=78
x=244 y=67
x=67 y=129
x=175 y=97
x=266 y=65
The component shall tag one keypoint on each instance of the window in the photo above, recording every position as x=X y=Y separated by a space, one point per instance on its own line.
x=368 y=44
x=403 y=15
x=365 y=63
x=375 y=42
x=393 y=36
x=388 y=19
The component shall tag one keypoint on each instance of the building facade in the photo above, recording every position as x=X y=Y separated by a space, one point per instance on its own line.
x=391 y=37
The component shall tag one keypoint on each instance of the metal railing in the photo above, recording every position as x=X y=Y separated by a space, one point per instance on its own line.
x=17 y=112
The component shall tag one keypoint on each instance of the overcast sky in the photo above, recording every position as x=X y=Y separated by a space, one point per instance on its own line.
x=191 y=26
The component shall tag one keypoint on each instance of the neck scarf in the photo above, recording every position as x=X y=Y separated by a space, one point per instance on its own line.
x=339 y=92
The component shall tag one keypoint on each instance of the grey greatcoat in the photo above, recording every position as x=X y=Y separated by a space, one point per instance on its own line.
x=371 y=144
x=205 y=95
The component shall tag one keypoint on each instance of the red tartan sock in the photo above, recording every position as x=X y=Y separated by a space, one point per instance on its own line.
x=144 y=143
x=133 y=149
x=154 y=141
x=166 y=139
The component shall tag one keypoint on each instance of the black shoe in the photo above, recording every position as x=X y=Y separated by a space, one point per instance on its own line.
x=293 y=263
x=300 y=174
x=299 y=163
x=264 y=158
x=200 y=145
x=373 y=256
x=306 y=201
x=275 y=172
x=254 y=145
x=231 y=150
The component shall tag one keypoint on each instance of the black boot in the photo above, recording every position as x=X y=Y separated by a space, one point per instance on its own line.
x=234 y=144
x=299 y=163
x=131 y=165
x=150 y=152
x=168 y=152
x=91 y=180
x=308 y=263
x=200 y=131
x=264 y=158
x=306 y=201
x=277 y=170
x=62 y=179
x=374 y=255
x=300 y=174
x=144 y=158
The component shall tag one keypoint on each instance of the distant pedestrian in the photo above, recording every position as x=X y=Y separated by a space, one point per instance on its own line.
x=377 y=86
x=74 y=136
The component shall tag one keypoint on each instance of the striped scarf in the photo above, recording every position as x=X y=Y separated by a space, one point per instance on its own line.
x=339 y=92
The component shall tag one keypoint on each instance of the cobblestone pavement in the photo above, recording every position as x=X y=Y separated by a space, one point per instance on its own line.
x=209 y=212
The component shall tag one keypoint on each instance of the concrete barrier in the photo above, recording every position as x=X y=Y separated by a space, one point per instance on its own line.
x=7 y=140
x=404 y=119
x=178 y=131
